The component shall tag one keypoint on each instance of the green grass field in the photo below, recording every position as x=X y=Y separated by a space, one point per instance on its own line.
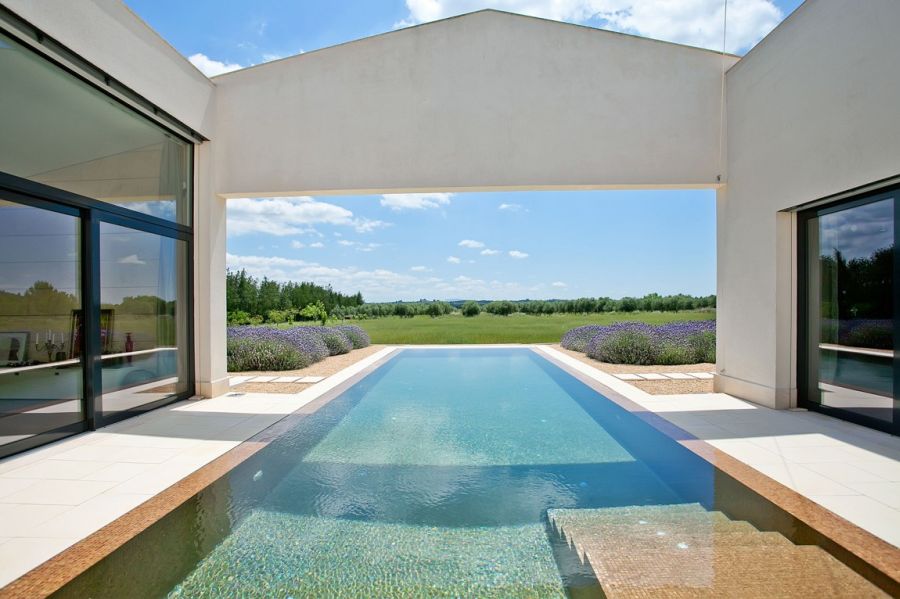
x=516 y=328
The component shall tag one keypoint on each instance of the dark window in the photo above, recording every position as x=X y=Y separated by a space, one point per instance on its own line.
x=41 y=376
x=143 y=317
x=848 y=278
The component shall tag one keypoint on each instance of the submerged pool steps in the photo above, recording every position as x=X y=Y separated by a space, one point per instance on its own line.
x=686 y=551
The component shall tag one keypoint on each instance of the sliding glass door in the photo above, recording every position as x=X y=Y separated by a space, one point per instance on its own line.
x=41 y=375
x=848 y=276
x=143 y=318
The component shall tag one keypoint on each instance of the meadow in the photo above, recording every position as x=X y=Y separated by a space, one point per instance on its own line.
x=515 y=328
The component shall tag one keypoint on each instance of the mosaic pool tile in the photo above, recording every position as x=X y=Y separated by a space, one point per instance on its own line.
x=272 y=554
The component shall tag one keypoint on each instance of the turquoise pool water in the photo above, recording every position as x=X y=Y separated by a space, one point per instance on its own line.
x=432 y=476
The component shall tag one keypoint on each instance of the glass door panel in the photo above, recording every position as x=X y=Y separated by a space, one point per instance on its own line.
x=143 y=318
x=41 y=376
x=850 y=310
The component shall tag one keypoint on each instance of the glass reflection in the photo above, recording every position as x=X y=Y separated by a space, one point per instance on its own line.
x=40 y=298
x=62 y=132
x=143 y=319
x=851 y=287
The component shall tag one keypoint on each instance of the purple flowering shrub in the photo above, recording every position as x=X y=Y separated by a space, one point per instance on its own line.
x=357 y=335
x=336 y=341
x=307 y=340
x=626 y=347
x=263 y=354
x=264 y=348
x=577 y=339
x=640 y=343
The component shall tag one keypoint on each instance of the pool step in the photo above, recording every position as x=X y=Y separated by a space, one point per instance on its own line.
x=685 y=551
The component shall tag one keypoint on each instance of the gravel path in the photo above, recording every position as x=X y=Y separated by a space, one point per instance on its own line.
x=326 y=367
x=670 y=387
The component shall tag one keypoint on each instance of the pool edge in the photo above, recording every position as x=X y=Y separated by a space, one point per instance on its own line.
x=877 y=554
x=54 y=573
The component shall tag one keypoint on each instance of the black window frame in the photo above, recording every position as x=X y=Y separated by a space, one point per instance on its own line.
x=803 y=294
x=92 y=212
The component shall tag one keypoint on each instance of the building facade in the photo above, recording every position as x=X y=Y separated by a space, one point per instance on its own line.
x=117 y=158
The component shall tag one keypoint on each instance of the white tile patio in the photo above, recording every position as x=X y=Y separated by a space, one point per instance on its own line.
x=54 y=496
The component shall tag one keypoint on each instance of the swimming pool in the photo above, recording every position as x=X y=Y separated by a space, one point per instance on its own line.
x=443 y=472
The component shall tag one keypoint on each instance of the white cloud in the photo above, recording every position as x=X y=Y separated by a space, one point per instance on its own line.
x=558 y=284
x=470 y=243
x=364 y=225
x=132 y=259
x=291 y=216
x=317 y=244
x=517 y=254
x=511 y=207
x=489 y=252
x=453 y=260
x=415 y=201
x=297 y=245
x=693 y=22
x=420 y=269
x=210 y=67
x=362 y=247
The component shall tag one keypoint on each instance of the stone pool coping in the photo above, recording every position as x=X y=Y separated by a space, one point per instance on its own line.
x=872 y=556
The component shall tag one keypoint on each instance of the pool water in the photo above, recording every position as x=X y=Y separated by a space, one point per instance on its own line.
x=431 y=476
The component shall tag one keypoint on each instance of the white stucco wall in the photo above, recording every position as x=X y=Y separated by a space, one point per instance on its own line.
x=813 y=110
x=110 y=36
x=488 y=100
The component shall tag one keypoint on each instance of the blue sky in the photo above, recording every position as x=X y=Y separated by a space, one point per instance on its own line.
x=474 y=245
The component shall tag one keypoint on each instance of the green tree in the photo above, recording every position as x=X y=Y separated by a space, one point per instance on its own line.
x=470 y=309
x=315 y=311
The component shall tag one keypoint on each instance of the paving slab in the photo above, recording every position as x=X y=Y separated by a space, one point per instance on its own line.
x=628 y=377
x=679 y=376
x=701 y=375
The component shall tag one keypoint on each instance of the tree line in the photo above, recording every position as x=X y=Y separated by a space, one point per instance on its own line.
x=251 y=301
x=255 y=301
x=652 y=302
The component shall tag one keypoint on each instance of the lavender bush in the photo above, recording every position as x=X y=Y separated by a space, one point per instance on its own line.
x=336 y=341
x=357 y=335
x=275 y=349
x=626 y=347
x=639 y=343
x=578 y=338
x=263 y=354
x=308 y=340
